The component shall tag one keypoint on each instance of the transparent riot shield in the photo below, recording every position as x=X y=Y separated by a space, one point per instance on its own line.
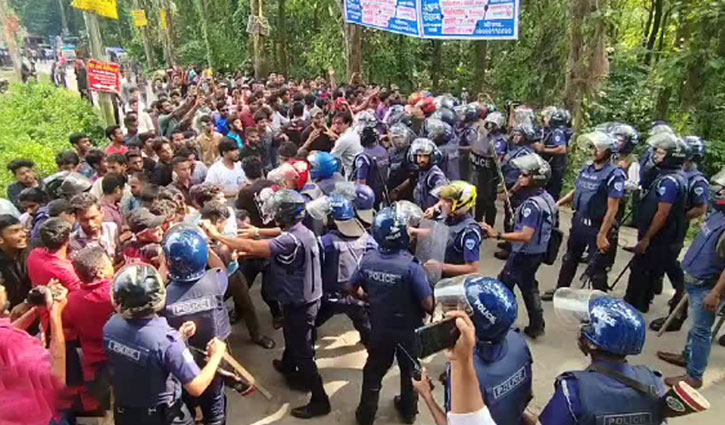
x=431 y=245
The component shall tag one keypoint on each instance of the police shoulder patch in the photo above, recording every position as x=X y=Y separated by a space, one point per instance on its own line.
x=618 y=186
x=699 y=191
x=527 y=211
x=662 y=190
x=470 y=244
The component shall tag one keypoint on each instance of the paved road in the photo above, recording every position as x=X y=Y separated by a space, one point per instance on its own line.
x=341 y=358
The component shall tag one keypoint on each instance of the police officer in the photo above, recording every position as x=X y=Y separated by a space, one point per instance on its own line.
x=596 y=196
x=426 y=155
x=401 y=168
x=295 y=272
x=470 y=123
x=197 y=295
x=342 y=250
x=457 y=201
x=489 y=147
x=696 y=206
x=324 y=171
x=704 y=264
x=610 y=390
x=535 y=219
x=519 y=145
x=371 y=165
x=396 y=287
x=502 y=358
x=553 y=148
x=443 y=135
x=661 y=224
x=149 y=360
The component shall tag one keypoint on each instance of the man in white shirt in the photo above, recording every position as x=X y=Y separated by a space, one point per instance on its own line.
x=227 y=172
x=347 y=141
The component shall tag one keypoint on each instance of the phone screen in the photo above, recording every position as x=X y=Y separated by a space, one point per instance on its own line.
x=436 y=337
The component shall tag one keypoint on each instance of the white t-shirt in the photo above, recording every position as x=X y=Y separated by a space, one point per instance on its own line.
x=229 y=180
x=481 y=417
x=347 y=147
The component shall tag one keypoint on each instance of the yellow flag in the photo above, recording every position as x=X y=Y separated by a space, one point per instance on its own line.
x=139 y=18
x=105 y=8
x=162 y=15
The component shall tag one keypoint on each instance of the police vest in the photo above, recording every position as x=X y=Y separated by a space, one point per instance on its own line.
x=648 y=171
x=202 y=302
x=591 y=194
x=455 y=245
x=482 y=150
x=557 y=162
x=344 y=260
x=451 y=164
x=547 y=220
x=694 y=177
x=377 y=161
x=399 y=168
x=297 y=277
x=675 y=228
x=469 y=135
x=327 y=186
x=702 y=260
x=510 y=173
x=426 y=183
x=136 y=350
x=606 y=401
x=388 y=285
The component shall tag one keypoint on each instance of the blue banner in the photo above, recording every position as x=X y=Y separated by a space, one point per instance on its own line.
x=470 y=19
x=398 y=16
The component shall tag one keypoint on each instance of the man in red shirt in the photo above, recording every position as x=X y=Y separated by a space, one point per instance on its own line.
x=50 y=261
x=115 y=135
x=89 y=308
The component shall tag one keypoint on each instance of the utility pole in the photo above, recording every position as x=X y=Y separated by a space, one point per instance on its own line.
x=98 y=53
x=63 y=20
x=146 y=42
x=9 y=37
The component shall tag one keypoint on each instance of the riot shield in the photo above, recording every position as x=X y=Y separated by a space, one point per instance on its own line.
x=431 y=245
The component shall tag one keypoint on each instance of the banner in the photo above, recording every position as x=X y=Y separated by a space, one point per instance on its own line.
x=162 y=18
x=470 y=19
x=105 y=8
x=104 y=76
x=439 y=19
x=139 y=18
x=398 y=16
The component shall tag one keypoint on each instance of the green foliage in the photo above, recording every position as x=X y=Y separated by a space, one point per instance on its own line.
x=35 y=122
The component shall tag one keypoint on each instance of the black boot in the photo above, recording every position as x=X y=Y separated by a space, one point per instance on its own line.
x=502 y=255
x=674 y=326
x=406 y=415
x=312 y=409
x=365 y=412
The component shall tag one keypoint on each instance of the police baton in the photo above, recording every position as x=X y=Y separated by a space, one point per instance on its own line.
x=718 y=325
x=614 y=284
x=239 y=370
x=507 y=201
x=675 y=312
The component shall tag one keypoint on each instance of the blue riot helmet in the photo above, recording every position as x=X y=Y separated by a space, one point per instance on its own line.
x=491 y=305
x=446 y=115
x=364 y=203
x=526 y=132
x=626 y=135
x=494 y=121
x=695 y=148
x=599 y=140
x=369 y=136
x=186 y=251
x=138 y=291
x=365 y=119
x=559 y=118
x=445 y=101
x=438 y=131
x=394 y=115
x=472 y=112
x=524 y=116
x=287 y=207
x=66 y=184
x=660 y=127
x=390 y=230
x=322 y=165
x=605 y=323
x=535 y=167
x=343 y=213
x=400 y=136
x=423 y=146
x=669 y=150
x=717 y=191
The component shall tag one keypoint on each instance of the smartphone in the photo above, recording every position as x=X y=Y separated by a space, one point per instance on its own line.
x=436 y=337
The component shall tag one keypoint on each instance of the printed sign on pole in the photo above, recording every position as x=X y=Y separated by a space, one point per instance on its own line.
x=105 y=8
x=162 y=16
x=104 y=76
x=139 y=18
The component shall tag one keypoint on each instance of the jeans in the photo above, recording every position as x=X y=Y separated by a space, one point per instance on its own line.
x=697 y=350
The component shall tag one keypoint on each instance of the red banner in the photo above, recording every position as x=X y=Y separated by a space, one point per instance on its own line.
x=104 y=76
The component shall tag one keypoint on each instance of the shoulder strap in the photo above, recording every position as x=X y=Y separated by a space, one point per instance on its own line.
x=631 y=383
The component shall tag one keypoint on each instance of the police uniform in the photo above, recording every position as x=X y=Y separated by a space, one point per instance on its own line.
x=400 y=169
x=484 y=174
x=467 y=137
x=149 y=363
x=464 y=240
x=591 y=398
x=594 y=187
x=427 y=181
x=511 y=175
x=540 y=213
x=295 y=273
x=669 y=187
x=340 y=257
x=372 y=166
x=504 y=376
x=202 y=302
x=396 y=285
x=554 y=138
x=450 y=165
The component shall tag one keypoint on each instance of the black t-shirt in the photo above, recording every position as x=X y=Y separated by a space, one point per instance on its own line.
x=322 y=143
x=294 y=131
x=249 y=150
x=245 y=201
x=162 y=175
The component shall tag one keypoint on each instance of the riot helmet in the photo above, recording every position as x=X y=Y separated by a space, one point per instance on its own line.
x=696 y=148
x=446 y=115
x=670 y=151
x=322 y=165
x=717 y=191
x=390 y=230
x=423 y=146
x=394 y=115
x=343 y=213
x=138 y=291
x=494 y=121
x=600 y=141
x=186 y=251
x=461 y=194
x=66 y=184
x=438 y=131
x=287 y=207
x=535 y=167
x=400 y=136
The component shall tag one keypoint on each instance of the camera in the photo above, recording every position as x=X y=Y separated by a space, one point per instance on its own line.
x=36 y=296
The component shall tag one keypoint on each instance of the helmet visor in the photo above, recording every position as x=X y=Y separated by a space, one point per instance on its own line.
x=319 y=208
x=409 y=212
x=450 y=293
x=598 y=140
x=572 y=305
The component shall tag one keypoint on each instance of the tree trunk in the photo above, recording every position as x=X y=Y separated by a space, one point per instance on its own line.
x=354 y=52
x=283 y=62
x=258 y=41
x=436 y=65
x=656 y=25
x=573 y=64
x=663 y=31
x=479 y=66
x=648 y=26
